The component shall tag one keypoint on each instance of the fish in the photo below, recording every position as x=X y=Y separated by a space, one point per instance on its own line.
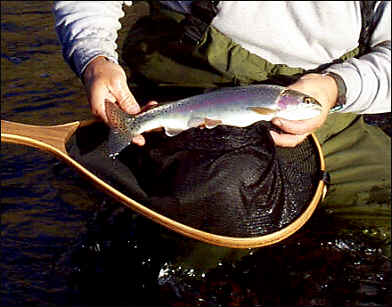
x=239 y=106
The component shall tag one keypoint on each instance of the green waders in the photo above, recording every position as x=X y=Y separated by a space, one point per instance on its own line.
x=358 y=156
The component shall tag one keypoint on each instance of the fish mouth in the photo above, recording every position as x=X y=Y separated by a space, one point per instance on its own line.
x=314 y=105
x=313 y=101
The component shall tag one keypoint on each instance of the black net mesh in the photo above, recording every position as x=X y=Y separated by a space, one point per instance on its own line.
x=227 y=180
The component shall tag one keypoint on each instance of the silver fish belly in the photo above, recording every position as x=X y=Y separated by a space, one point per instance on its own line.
x=234 y=106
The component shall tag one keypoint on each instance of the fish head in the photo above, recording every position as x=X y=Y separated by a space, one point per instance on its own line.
x=295 y=105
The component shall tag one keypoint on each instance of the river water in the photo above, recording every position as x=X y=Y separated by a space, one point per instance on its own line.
x=65 y=243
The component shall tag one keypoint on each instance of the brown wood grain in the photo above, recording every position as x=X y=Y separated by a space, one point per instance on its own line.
x=38 y=136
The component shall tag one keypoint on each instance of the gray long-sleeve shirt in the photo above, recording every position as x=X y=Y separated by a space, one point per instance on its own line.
x=296 y=33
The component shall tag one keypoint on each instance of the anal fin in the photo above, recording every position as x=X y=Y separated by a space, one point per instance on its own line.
x=195 y=122
x=212 y=123
x=172 y=131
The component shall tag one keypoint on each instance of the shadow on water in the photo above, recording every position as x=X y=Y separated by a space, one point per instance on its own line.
x=63 y=242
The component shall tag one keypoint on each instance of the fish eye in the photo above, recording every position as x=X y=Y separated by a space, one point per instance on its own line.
x=308 y=100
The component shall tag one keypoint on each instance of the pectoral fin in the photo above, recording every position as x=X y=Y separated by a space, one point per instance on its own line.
x=261 y=110
x=212 y=123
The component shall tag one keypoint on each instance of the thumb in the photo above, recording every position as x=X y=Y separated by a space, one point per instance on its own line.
x=293 y=126
x=97 y=95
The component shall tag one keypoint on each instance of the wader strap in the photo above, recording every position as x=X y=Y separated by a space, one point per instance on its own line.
x=196 y=23
x=370 y=20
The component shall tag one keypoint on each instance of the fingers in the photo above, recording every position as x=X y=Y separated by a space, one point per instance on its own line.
x=298 y=126
x=290 y=126
x=293 y=131
x=127 y=102
x=149 y=105
x=287 y=140
x=139 y=140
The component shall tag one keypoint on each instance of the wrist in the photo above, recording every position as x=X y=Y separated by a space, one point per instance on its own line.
x=338 y=99
x=89 y=70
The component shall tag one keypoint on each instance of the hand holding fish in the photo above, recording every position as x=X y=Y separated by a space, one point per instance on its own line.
x=107 y=81
x=321 y=87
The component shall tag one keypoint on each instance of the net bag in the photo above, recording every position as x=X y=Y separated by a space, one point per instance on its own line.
x=228 y=181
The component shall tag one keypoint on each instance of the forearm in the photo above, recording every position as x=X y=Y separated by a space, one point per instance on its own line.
x=368 y=79
x=87 y=29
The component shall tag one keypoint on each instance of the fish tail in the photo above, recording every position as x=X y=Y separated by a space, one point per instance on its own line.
x=121 y=134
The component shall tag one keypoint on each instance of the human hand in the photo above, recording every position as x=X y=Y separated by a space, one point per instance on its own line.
x=105 y=80
x=321 y=87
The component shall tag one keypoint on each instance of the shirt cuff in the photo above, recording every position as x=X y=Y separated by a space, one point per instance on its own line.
x=81 y=59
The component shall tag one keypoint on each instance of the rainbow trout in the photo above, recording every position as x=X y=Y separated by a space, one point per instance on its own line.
x=234 y=106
